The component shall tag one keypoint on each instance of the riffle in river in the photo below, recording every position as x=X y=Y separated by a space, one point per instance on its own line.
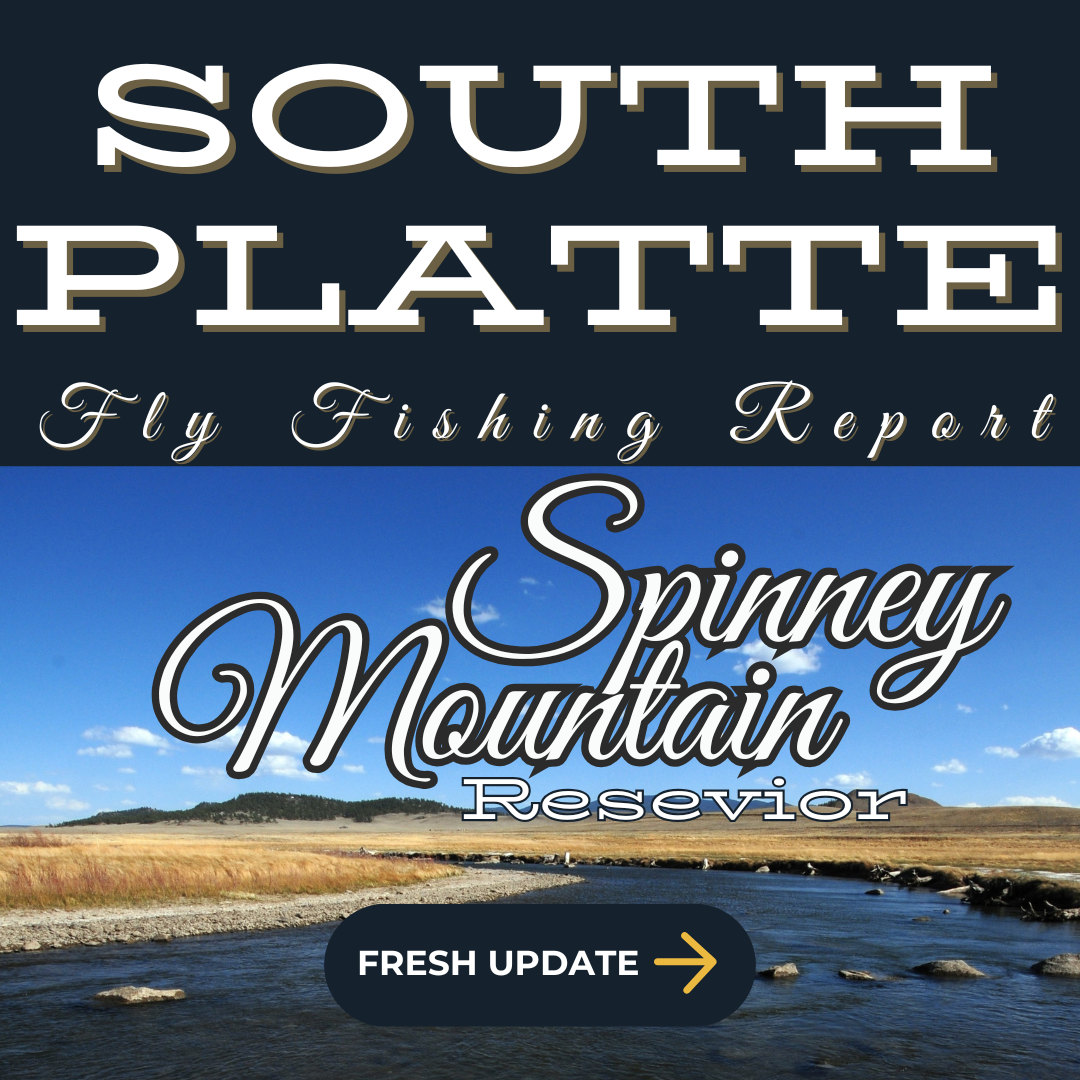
x=257 y=1004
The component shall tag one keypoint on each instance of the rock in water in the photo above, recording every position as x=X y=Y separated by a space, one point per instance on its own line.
x=1066 y=963
x=857 y=976
x=957 y=968
x=921 y=918
x=875 y=892
x=138 y=995
x=779 y=971
x=762 y=870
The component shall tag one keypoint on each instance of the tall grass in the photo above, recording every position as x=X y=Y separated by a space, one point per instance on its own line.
x=95 y=873
x=34 y=838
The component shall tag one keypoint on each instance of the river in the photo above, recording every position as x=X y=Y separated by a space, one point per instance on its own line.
x=258 y=1007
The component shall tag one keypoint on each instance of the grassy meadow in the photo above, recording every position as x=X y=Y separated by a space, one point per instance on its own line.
x=1029 y=838
x=131 y=864
x=43 y=870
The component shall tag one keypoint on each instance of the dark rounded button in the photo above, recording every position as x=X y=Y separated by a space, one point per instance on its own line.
x=540 y=965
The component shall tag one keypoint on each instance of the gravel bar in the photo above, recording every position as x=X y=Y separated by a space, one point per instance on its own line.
x=25 y=931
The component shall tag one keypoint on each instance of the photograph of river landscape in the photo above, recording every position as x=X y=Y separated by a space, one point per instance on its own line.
x=163 y=918
x=257 y=1004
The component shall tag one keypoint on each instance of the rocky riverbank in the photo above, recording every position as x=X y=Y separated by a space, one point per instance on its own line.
x=32 y=930
x=1037 y=898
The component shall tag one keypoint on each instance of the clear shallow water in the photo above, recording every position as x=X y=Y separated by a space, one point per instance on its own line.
x=258 y=1007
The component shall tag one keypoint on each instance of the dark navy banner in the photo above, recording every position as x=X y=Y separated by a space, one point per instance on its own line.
x=683 y=241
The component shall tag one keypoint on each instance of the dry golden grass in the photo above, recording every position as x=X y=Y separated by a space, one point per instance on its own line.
x=143 y=864
x=103 y=871
x=1008 y=838
x=1030 y=852
x=34 y=838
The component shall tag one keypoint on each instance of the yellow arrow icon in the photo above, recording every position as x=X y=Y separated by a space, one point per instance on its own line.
x=706 y=962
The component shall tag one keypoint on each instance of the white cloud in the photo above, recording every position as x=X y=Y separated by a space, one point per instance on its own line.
x=100 y=787
x=796 y=662
x=1036 y=800
x=284 y=765
x=190 y=770
x=481 y=613
x=112 y=750
x=129 y=787
x=1062 y=742
x=66 y=804
x=1001 y=751
x=528 y=581
x=953 y=765
x=140 y=736
x=37 y=787
x=121 y=739
x=353 y=768
x=288 y=743
x=965 y=708
x=284 y=741
x=969 y=805
x=125 y=769
x=136 y=736
x=377 y=738
x=850 y=779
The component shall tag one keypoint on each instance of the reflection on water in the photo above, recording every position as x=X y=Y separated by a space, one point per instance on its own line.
x=258 y=1007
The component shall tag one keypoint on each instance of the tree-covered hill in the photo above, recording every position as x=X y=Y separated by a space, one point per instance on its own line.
x=259 y=806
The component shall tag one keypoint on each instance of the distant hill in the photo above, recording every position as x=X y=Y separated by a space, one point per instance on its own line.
x=706 y=806
x=263 y=806
x=920 y=800
x=862 y=805
x=260 y=806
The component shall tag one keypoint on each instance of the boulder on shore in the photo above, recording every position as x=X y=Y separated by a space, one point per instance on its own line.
x=762 y=870
x=1066 y=963
x=31 y=946
x=950 y=968
x=779 y=971
x=138 y=995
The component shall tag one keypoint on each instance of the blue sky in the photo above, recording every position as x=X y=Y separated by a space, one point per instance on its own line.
x=101 y=568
